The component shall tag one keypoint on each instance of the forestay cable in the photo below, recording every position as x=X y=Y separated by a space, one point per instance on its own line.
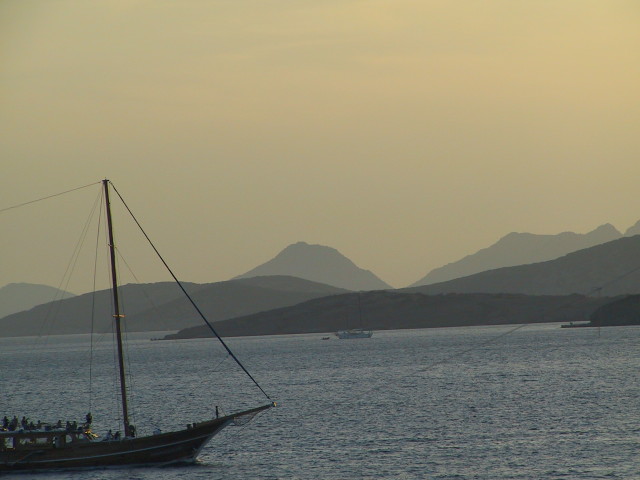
x=187 y=295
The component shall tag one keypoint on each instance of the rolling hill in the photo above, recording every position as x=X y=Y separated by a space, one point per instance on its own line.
x=161 y=306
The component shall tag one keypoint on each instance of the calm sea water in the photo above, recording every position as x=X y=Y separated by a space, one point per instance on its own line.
x=464 y=403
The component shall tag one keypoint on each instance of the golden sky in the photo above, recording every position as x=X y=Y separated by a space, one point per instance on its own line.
x=406 y=134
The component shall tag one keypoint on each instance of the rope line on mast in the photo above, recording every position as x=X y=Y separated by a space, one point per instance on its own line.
x=206 y=321
x=2 y=210
x=55 y=306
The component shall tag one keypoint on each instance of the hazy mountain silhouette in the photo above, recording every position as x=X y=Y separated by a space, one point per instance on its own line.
x=633 y=230
x=610 y=269
x=384 y=310
x=624 y=311
x=74 y=315
x=519 y=249
x=162 y=306
x=319 y=264
x=16 y=297
x=233 y=298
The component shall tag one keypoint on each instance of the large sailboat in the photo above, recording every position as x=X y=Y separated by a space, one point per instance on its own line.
x=28 y=447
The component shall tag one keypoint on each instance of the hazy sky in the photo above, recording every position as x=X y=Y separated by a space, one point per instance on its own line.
x=406 y=134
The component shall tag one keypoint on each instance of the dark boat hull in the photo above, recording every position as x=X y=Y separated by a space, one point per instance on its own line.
x=163 y=449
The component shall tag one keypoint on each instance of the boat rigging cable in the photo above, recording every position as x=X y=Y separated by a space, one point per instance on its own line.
x=47 y=197
x=206 y=321
x=63 y=285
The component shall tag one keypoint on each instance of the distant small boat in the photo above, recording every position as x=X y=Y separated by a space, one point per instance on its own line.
x=326 y=338
x=576 y=325
x=354 y=333
x=350 y=333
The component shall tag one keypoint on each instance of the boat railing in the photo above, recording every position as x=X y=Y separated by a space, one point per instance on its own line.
x=54 y=438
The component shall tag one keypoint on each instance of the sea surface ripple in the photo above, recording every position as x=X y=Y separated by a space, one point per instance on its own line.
x=452 y=403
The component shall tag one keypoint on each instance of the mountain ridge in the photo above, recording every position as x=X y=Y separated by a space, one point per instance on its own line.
x=161 y=306
x=391 y=310
x=609 y=269
x=521 y=249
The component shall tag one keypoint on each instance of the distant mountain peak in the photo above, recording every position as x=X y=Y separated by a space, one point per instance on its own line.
x=633 y=230
x=305 y=248
x=606 y=231
x=300 y=243
x=605 y=227
x=318 y=263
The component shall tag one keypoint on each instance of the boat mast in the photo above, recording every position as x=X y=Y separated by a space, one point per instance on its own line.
x=116 y=310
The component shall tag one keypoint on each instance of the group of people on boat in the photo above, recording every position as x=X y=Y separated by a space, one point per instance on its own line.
x=27 y=425
x=117 y=436
x=81 y=430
